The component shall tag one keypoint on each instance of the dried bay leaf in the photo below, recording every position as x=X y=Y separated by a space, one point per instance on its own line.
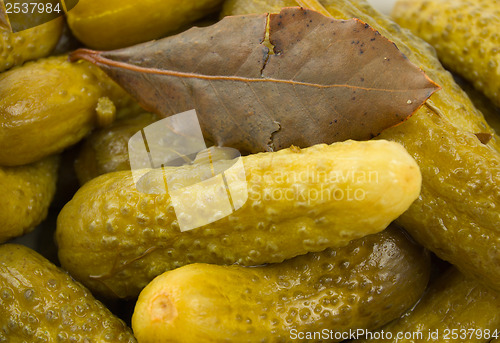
x=326 y=80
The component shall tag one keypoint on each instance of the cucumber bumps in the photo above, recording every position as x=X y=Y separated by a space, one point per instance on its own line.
x=465 y=33
x=17 y=48
x=454 y=309
x=361 y=286
x=457 y=214
x=116 y=239
x=41 y=303
x=27 y=194
x=106 y=149
x=49 y=105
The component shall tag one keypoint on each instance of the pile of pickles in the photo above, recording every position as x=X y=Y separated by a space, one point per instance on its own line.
x=416 y=259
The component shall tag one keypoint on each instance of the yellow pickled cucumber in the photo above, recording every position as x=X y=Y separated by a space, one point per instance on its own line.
x=488 y=109
x=116 y=239
x=361 y=286
x=41 y=303
x=457 y=215
x=454 y=309
x=113 y=24
x=48 y=105
x=465 y=33
x=27 y=192
x=460 y=195
x=106 y=149
x=17 y=48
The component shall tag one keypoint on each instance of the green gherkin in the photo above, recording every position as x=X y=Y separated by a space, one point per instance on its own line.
x=106 y=149
x=457 y=215
x=489 y=110
x=27 y=192
x=17 y=48
x=454 y=309
x=361 y=286
x=115 y=238
x=41 y=303
x=50 y=104
x=465 y=33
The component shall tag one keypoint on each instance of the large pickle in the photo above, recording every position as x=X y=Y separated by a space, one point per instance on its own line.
x=27 y=192
x=114 y=24
x=17 y=48
x=465 y=33
x=106 y=149
x=48 y=105
x=454 y=309
x=116 y=239
x=488 y=109
x=457 y=216
x=361 y=286
x=41 y=303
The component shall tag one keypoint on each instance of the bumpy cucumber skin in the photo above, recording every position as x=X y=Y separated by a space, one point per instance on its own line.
x=106 y=149
x=48 y=105
x=116 y=239
x=41 y=303
x=27 y=192
x=461 y=189
x=465 y=33
x=114 y=24
x=37 y=42
x=463 y=226
x=453 y=302
x=362 y=285
x=488 y=109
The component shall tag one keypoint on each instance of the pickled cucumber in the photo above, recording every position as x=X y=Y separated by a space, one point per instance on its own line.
x=27 y=192
x=17 y=48
x=41 y=303
x=454 y=309
x=106 y=150
x=48 y=105
x=361 y=286
x=107 y=25
x=116 y=239
x=465 y=33
x=488 y=109
x=463 y=225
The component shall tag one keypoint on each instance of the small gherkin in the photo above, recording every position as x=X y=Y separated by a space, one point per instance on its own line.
x=50 y=104
x=17 y=48
x=454 y=309
x=363 y=285
x=27 y=194
x=41 y=303
x=115 y=238
x=106 y=149
x=465 y=33
x=456 y=215
x=106 y=25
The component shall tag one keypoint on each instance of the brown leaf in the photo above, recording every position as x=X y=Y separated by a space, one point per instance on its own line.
x=328 y=80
